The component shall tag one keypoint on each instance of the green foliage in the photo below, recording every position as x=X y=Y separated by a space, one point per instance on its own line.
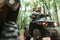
x=23 y=19
x=50 y=6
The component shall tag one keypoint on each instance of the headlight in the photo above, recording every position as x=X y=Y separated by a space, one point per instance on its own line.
x=44 y=23
x=55 y=24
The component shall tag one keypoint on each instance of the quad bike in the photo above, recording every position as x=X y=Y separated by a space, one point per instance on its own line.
x=41 y=28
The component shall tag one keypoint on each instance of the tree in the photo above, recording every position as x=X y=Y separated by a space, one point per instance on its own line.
x=55 y=10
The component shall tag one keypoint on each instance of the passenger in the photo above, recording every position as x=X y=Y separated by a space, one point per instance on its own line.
x=32 y=16
x=34 y=10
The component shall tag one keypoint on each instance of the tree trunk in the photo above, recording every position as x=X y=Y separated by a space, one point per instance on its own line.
x=56 y=13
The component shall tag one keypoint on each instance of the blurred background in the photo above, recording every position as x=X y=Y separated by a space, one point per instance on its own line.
x=48 y=6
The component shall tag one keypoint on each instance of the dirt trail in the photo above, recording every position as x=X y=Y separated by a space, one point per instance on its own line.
x=21 y=36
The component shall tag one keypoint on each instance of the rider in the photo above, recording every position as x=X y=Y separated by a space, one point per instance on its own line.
x=32 y=25
x=39 y=9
